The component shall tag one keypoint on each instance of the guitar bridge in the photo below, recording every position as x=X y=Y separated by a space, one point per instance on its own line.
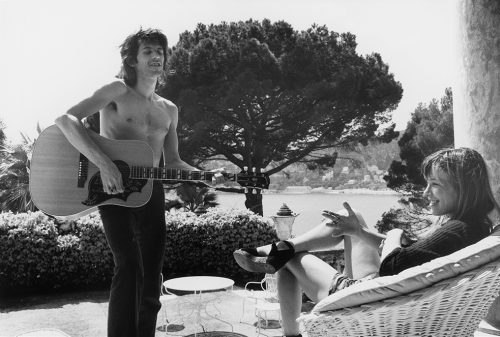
x=83 y=169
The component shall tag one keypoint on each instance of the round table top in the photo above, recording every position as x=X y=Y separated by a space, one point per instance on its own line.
x=198 y=283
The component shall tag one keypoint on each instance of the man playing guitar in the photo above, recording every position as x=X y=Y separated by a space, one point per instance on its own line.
x=131 y=110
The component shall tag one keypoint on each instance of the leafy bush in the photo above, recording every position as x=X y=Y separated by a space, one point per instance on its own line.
x=204 y=245
x=410 y=216
x=37 y=255
x=93 y=255
x=40 y=254
x=28 y=241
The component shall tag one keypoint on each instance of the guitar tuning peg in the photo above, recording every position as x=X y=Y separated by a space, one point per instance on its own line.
x=254 y=191
x=246 y=190
x=245 y=168
x=254 y=169
x=261 y=170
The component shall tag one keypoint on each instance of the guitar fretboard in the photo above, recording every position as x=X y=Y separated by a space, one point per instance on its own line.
x=162 y=173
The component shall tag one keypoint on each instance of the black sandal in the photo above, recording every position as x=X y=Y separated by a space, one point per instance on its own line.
x=280 y=254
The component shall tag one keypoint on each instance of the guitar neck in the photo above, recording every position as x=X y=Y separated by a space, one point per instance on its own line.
x=162 y=173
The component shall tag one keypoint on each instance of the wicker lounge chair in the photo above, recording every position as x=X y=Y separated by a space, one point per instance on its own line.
x=445 y=297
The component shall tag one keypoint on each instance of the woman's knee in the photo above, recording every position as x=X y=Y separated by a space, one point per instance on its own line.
x=320 y=295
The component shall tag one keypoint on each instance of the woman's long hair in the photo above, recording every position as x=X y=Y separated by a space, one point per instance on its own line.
x=468 y=173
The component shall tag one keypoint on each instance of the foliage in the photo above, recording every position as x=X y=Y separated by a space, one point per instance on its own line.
x=409 y=217
x=2 y=134
x=378 y=153
x=204 y=245
x=193 y=198
x=38 y=254
x=14 y=176
x=261 y=93
x=41 y=254
x=430 y=129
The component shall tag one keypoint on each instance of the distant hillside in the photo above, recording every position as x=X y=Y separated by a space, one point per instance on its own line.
x=359 y=167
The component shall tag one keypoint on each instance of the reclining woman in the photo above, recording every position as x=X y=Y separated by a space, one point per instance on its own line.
x=459 y=193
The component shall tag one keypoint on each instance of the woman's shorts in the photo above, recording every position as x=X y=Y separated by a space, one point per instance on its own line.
x=341 y=281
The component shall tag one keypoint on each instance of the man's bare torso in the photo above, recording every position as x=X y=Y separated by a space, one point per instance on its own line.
x=131 y=116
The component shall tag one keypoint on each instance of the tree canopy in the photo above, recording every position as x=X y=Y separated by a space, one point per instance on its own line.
x=430 y=129
x=2 y=133
x=262 y=94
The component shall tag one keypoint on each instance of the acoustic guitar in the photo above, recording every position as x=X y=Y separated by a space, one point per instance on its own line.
x=65 y=183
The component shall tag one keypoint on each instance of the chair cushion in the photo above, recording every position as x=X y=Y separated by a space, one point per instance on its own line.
x=415 y=278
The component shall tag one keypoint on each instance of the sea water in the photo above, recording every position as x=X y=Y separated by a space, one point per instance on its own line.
x=310 y=205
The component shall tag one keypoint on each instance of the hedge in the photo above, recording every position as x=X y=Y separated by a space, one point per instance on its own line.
x=204 y=245
x=40 y=254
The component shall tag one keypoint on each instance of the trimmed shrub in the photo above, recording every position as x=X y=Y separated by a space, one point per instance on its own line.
x=94 y=257
x=204 y=245
x=37 y=255
x=29 y=241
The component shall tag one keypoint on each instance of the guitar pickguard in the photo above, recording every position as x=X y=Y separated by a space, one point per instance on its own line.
x=96 y=194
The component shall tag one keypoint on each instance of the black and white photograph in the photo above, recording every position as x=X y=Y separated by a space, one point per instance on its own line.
x=321 y=168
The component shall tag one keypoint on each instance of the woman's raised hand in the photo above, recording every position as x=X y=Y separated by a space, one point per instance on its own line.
x=343 y=225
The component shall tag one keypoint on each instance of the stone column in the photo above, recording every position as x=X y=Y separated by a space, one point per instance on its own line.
x=476 y=93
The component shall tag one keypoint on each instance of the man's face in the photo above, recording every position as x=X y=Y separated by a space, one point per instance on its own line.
x=150 y=59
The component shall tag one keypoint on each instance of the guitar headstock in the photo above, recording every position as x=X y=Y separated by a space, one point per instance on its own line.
x=254 y=179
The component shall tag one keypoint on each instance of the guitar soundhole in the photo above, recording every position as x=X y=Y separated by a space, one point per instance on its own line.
x=96 y=194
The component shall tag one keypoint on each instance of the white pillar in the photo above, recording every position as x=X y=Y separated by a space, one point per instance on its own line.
x=476 y=108
x=477 y=103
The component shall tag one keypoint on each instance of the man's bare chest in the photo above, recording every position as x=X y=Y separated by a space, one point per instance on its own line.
x=141 y=116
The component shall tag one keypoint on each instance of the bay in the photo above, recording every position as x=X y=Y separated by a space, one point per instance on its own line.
x=310 y=205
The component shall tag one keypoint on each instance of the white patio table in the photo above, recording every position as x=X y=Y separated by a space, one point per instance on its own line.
x=198 y=285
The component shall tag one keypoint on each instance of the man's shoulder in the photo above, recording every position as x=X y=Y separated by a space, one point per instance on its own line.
x=114 y=88
x=169 y=105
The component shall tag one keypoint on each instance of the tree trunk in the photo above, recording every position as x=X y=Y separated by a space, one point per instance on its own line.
x=254 y=203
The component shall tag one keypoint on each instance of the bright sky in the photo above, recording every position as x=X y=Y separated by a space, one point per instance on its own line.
x=55 y=53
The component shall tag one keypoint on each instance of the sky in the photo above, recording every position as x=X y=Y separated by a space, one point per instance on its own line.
x=56 y=53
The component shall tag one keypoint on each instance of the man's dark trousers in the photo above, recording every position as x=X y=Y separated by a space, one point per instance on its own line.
x=137 y=239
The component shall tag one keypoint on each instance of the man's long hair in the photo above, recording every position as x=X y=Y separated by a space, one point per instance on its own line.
x=130 y=47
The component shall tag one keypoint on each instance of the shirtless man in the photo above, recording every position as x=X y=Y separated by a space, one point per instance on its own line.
x=130 y=109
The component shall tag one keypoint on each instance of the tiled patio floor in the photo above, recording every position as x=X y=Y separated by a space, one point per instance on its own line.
x=85 y=314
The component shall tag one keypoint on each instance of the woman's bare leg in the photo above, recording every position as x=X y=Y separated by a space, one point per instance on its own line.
x=360 y=259
x=316 y=239
x=303 y=272
x=290 y=297
x=308 y=273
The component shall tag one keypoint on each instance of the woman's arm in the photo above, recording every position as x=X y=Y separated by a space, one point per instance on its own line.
x=450 y=237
